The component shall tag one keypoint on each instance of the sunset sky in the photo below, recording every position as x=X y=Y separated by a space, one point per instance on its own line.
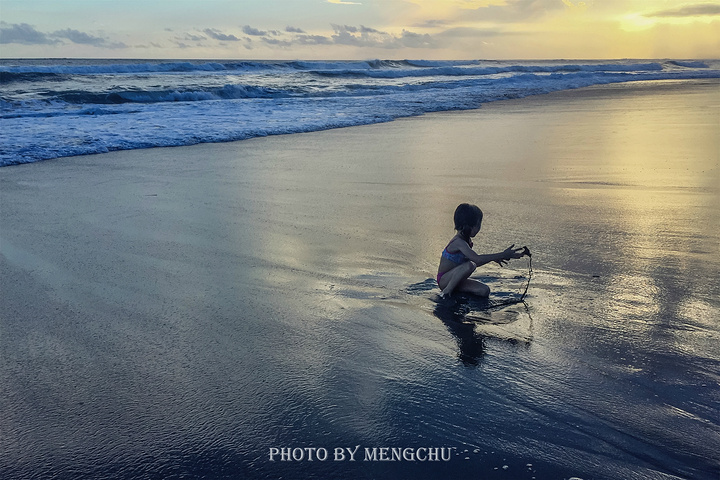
x=360 y=29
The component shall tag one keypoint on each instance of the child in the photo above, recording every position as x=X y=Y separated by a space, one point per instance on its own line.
x=459 y=261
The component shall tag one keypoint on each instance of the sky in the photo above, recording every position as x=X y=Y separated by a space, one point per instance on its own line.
x=360 y=29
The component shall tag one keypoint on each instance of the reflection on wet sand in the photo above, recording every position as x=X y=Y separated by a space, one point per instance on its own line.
x=473 y=320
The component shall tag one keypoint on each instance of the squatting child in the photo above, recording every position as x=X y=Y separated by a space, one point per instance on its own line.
x=458 y=260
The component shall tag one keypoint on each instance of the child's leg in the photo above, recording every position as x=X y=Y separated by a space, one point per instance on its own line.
x=452 y=278
x=476 y=287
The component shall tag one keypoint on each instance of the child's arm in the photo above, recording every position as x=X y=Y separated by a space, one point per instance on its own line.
x=501 y=258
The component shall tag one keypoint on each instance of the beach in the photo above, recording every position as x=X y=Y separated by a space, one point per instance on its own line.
x=181 y=312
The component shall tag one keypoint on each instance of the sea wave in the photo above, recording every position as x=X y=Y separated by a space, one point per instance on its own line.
x=370 y=68
x=11 y=72
x=158 y=96
x=458 y=71
x=546 y=79
x=51 y=109
x=10 y=76
x=685 y=64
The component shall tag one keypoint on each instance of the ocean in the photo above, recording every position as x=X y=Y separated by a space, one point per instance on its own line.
x=55 y=108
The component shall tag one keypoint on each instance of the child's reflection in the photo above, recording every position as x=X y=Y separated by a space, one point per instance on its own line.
x=471 y=345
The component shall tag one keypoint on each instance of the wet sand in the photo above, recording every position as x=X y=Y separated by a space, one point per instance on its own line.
x=180 y=312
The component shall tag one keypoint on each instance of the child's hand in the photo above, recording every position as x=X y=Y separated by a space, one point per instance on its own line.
x=510 y=253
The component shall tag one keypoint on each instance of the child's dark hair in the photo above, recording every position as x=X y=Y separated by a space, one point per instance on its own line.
x=466 y=218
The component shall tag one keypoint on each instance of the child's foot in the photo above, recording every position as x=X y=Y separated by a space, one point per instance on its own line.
x=445 y=296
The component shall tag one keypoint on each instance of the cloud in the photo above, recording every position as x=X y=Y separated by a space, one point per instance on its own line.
x=702 y=9
x=416 y=40
x=343 y=2
x=364 y=29
x=24 y=34
x=27 y=35
x=344 y=28
x=77 y=36
x=277 y=43
x=347 y=35
x=189 y=37
x=248 y=30
x=369 y=37
x=312 y=40
x=194 y=38
x=432 y=24
x=82 y=38
x=218 y=35
x=471 y=32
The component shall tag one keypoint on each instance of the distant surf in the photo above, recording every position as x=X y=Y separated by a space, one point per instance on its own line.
x=58 y=108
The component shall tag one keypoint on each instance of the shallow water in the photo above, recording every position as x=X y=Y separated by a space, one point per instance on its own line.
x=132 y=349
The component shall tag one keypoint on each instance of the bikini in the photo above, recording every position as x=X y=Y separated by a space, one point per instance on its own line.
x=457 y=257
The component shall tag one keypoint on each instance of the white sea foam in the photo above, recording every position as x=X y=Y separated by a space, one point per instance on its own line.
x=56 y=108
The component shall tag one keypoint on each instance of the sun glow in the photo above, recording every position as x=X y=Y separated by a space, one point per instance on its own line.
x=635 y=22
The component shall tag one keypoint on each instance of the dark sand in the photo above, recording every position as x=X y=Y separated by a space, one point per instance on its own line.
x=177 y=313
